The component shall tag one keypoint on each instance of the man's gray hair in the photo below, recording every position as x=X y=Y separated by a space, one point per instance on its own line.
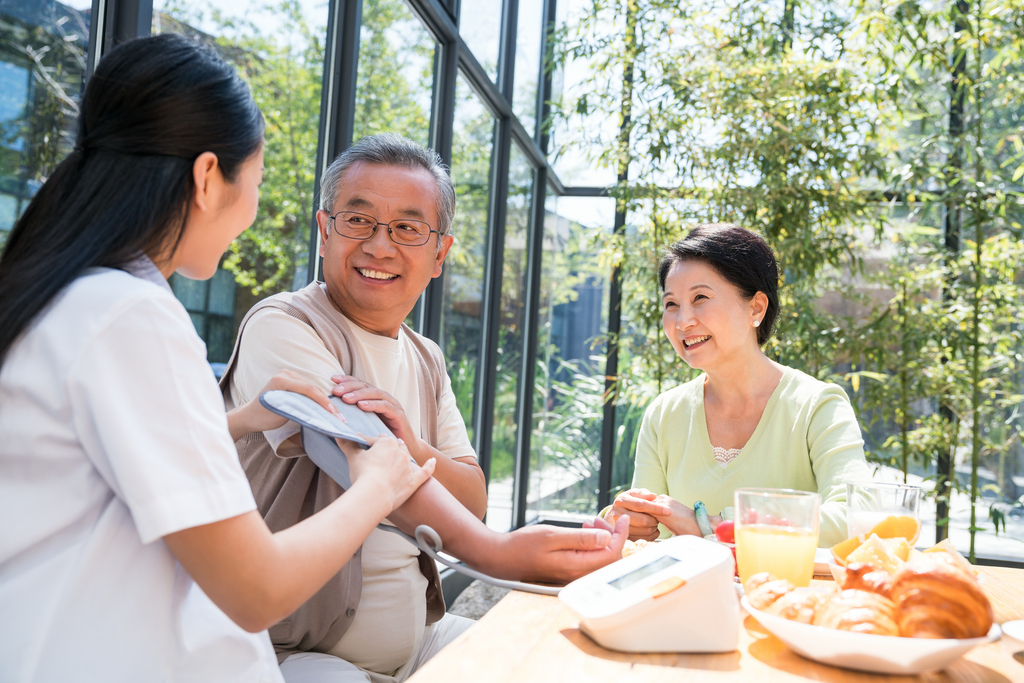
x=388 y=149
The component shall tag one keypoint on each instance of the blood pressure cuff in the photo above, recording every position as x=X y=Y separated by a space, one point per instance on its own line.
x=320 y=429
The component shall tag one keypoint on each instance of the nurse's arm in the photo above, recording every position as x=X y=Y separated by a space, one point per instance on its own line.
x=534 y=553
x=258 y=577
x=253 y=417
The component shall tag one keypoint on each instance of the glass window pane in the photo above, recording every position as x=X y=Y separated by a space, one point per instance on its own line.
x=279 y=51
x=43 y=56
x=510 y=341
x=565 y=447
x=574 y=136
x=528 y=32
x=461 y=321
x=480 y=26
x=396 y=72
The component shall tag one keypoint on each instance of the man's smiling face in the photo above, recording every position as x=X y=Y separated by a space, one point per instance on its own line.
x=376 y=282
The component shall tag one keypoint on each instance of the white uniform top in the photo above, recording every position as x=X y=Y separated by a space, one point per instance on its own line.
x=389 y=625
x=113 y=435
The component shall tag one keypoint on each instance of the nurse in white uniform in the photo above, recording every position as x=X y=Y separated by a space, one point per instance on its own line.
x=130 y=545
x=112 y=430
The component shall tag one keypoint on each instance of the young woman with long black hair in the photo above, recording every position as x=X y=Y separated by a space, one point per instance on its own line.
x=130 y=546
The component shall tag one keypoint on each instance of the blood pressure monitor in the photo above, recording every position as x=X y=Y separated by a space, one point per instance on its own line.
x=676 y=595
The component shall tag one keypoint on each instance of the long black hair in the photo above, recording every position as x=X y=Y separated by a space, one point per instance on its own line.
x=739 y=255
x=152 y=106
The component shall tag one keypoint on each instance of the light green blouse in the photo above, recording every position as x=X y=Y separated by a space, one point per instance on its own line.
x=808 y=439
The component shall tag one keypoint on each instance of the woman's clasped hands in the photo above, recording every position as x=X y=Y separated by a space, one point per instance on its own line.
x=646 y=510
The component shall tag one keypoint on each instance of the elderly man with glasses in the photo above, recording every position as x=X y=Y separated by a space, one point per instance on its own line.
x=387 y=207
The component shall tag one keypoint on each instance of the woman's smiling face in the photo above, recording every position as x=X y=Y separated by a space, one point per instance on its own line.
x=705 y=317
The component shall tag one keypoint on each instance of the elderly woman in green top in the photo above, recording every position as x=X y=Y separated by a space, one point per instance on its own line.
x=746 y=421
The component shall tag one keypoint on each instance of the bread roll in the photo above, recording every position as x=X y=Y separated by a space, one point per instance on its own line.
x=860 y=612
x=936 y=598
x=764 y=589
x=798 y=605
x=861 y=576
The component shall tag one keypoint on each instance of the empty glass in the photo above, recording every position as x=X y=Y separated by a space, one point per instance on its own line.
x=868 y=503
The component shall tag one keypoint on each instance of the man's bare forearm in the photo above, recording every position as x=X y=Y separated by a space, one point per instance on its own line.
x=535 y=553
x=462 y=477
x=463 y=534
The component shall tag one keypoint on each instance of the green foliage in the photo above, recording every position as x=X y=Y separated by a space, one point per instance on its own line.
x=395 y=77
x=284 y=73
x=958 y=154
x=726 y=125
x=828 y=129
x=283 y=68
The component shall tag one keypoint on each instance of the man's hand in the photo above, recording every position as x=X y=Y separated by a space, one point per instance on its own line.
x=559 y=555
x=373 y=400
x=253 y=417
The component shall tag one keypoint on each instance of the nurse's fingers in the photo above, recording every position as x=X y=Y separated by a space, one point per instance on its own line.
x=286 y=380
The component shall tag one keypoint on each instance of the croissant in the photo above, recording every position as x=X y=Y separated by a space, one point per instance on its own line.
x=798 y=605
x=938 y=599
x=763 y=589
x=860 y=612
x=861 y=576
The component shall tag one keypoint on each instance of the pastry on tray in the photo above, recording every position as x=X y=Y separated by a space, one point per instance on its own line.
x=936 y=598
x=933 y=594
x=799 y=606
x=862 y=576
x=764 y=589
x=859 y=612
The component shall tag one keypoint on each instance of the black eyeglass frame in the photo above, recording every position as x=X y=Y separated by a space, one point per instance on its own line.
x=377 y=224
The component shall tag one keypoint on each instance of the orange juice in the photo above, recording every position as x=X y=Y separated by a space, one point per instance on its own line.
x=786 y=552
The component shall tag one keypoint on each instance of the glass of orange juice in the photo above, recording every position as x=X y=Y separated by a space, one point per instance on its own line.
x=777 y=532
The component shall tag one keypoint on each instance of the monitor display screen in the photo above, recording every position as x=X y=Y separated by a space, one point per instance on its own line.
x=643 y=572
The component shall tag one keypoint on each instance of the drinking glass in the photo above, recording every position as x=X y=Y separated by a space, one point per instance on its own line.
x=868 y=503
x=777 y=532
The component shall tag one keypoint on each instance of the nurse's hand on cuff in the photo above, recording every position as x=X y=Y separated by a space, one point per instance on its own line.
x=253 y=417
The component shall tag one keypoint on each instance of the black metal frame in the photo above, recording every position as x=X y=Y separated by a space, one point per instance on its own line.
x=116 y=22
x=534 y=268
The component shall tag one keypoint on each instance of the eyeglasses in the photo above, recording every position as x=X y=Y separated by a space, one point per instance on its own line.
x=403 y=232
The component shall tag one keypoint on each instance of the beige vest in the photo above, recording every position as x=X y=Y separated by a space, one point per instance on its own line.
x=288 y=490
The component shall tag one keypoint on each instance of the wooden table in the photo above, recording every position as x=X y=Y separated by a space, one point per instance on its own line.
x=529 y=638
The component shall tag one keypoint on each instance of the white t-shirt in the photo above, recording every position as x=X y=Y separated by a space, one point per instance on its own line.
x=113 y=435
x=388 y=627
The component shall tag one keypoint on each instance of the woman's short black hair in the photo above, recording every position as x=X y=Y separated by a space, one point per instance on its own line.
x=739 y=255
